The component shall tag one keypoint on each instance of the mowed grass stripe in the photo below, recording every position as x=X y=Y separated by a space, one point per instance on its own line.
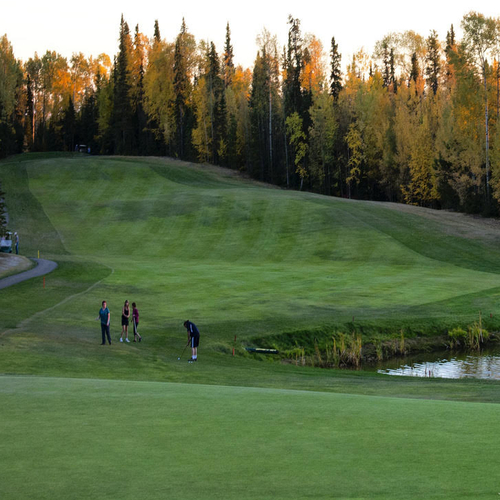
x=88 y=438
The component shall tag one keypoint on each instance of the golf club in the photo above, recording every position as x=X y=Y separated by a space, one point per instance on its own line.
x=179 y=358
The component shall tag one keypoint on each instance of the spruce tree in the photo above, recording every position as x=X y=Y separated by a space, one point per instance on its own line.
x=392 y=65
x=29 y=116
x=122 y=105
x=69 y=126
x=336 y=72
x=88 y=121
x=293 y=66
x=227 y=59
x=415 y=69
x=157 y=36
x=386 y=61
x=449 y=51
x=433 y=67
x=259 y=109
x=182 y=90
x=450 y=40
x=137 y=91
x=218 y=109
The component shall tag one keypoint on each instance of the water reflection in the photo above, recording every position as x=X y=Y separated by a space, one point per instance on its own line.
x=484 y=365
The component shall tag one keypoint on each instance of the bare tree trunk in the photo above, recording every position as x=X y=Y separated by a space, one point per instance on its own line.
x=286 y=163
x=498 y=89
x=487 y=147
x=270 y=131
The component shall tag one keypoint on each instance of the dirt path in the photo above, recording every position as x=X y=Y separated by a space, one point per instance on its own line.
x=43 y=267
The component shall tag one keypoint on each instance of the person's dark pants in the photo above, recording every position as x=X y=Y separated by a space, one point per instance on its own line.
x=105 y=331
x=17 y=248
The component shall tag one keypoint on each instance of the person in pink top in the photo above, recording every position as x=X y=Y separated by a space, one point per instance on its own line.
x=135 y=318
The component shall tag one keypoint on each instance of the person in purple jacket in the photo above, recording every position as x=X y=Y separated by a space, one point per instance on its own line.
x=135 y=319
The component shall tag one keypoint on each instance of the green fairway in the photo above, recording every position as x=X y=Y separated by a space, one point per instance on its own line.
x=111 y=439
x=247 y=263
x=241 y=258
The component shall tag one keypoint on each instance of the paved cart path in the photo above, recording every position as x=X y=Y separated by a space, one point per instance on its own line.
x=43 y=267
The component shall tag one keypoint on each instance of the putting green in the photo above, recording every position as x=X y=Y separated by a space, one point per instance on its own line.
x=114 y=439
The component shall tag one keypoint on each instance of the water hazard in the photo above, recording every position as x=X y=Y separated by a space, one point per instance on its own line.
x=483 y=365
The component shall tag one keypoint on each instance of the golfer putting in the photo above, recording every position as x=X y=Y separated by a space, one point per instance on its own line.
x=193 y=339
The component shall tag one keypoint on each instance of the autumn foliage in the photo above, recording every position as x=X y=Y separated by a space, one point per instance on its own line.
x=415 y=122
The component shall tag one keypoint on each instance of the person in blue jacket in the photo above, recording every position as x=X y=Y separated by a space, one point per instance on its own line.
x=105 y=317
x=193 y=338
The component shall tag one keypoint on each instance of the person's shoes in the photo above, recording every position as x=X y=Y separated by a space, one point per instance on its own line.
x=127 y=340
x=140 y=338
x=103 y=343
x=121 y=340
x=135 y=340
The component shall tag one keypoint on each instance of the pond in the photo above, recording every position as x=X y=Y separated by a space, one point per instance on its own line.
x=447 y=364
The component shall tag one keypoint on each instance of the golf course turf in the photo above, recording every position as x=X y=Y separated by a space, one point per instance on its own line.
x=240 y=259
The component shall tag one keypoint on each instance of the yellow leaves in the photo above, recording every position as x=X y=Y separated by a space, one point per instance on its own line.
x=422 y=188
x=313 y=75
x=242 y=80
x=354 y=140
x=297 y=139
x=202 y=138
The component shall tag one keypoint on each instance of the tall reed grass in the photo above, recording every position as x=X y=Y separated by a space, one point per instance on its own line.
x=473 y=338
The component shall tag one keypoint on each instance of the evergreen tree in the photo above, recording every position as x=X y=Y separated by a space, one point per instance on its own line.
x=104 y=101
x=433 y=68
x=122 y=105
x=415 y=69
x=218 y=108
x=450 y=40
x=450 y=52
x=259 y=112
x=69 y=126
x=227 y=59
x=88 y=125
x=392 y=65
x=29 y=122
x=137 y=91
x=293 y=66
x=157 y=36
x=336 y=72
x=182 y=92
x=386 y=61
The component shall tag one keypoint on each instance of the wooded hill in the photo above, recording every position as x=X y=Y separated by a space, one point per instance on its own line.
x=414 y=122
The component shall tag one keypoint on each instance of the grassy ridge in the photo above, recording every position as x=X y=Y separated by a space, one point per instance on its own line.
x=263 y=250
x=236 y=257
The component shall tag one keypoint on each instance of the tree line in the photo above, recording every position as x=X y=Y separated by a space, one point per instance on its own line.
x=414 y=122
